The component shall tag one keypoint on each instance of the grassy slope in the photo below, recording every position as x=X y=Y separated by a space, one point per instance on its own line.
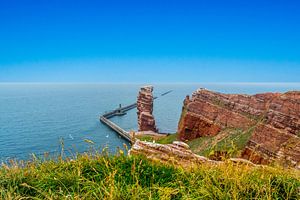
x=230 y=140
x=122 y=177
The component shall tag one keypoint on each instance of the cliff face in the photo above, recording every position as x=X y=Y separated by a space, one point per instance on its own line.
x=146 y=121
x=273 y=118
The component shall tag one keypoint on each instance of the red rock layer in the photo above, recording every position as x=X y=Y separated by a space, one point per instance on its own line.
x=146 y=120
x=275 y=118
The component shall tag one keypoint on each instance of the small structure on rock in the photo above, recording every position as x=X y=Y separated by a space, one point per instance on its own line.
x=146 y=121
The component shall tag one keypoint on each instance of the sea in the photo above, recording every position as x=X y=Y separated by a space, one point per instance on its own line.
x=39 y=118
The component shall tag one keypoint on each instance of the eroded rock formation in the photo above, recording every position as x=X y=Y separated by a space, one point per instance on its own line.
x=177 y=153
x=273 y=118
x=146 y=121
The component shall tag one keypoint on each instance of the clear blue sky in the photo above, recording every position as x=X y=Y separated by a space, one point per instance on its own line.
x=150 y=41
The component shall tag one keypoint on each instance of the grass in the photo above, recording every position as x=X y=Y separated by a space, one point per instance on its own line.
x=99 y=176
x=168 y=139
x=233 y=142
x=201 y=145
x=151 y=138
x=147 y=138
x=230 y=140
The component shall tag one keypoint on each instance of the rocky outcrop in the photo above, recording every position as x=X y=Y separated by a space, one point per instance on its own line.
x=273 y=117
x=177 y=153
x=146 y=121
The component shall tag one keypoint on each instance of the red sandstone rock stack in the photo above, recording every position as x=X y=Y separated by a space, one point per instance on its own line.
x=146 y=120
x=273 y=117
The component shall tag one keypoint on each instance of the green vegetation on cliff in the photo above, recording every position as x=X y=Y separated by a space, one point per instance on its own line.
x=99 y=176
x=229 y=141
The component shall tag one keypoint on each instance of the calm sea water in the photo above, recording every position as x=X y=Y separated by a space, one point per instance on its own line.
x=34 y=117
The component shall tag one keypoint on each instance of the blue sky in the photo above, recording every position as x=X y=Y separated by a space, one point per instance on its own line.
x=149 y=41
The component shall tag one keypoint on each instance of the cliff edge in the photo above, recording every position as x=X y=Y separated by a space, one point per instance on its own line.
x=267 y=125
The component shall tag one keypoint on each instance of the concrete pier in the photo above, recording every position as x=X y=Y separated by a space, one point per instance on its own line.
x=119 y=112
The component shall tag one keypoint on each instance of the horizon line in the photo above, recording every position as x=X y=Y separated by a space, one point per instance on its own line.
x=183 y=83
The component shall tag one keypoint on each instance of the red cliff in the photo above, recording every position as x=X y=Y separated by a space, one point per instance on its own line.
x=146 y=121
x=273 y=118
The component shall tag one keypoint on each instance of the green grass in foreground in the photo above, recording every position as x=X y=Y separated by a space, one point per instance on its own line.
x=121 y=177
